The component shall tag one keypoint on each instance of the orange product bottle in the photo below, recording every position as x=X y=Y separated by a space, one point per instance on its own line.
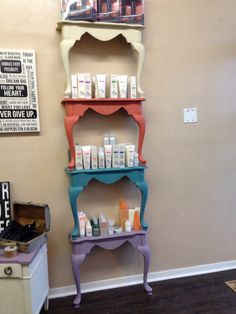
x=137 y=224
x=124 y=213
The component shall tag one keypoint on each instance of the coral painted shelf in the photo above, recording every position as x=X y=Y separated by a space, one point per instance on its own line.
x=76 y=108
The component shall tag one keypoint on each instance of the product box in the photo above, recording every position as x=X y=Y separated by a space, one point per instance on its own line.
x=28 y=229
x=122 y=150
x=74 y=86
x=94 y=157
x=115 y=156
x=113 y=86
x=108 y=10
x=88 y=85
x=81 y=85
x=79 y=10
x=132 y=11
x=78 y=157
x=132 y=87
x=129 y=155
x=123 y=86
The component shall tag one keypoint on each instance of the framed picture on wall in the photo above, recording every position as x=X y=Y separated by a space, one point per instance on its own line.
x=18 y=92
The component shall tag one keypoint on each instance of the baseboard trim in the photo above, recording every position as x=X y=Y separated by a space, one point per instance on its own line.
x=138 y=279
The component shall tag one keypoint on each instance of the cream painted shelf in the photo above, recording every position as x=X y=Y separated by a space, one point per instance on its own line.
x=71 y=31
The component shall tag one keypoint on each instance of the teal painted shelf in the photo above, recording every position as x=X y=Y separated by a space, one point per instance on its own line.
x=79 y=179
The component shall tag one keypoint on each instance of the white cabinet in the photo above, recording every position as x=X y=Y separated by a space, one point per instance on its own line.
x=24 y=282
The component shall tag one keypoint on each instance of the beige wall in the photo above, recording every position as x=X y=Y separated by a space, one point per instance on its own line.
x=190 y=62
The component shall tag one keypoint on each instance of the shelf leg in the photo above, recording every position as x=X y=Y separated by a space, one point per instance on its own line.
x=139 y=118
x=66 y=45
x=76 y=260
x=74 y=192
x=143 y=187
x=69 y=122
x=145 y=251
x=139 y=48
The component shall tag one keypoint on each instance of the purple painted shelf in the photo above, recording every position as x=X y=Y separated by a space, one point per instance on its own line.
x=106 y=237
x=83 y=246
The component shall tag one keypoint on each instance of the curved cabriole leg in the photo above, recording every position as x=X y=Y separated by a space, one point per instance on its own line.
x=66 y=45
x=139 y=49
x=145 y=251
x=139 y=118
x=76 y=260
x=69 y=122
x=143 y=187
x=74 y=192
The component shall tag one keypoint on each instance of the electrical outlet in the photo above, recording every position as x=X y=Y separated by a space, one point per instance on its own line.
x=190 y=115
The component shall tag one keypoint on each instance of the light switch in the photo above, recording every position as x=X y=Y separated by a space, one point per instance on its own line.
x=190 y=115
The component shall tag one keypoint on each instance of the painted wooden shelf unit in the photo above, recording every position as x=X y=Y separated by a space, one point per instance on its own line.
x=72 y=31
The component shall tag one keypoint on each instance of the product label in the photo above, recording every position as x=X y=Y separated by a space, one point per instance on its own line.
x=18 y=92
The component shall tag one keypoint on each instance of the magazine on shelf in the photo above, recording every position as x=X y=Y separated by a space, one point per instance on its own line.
x=132 y=11
x=79 y=10
x=108 y=10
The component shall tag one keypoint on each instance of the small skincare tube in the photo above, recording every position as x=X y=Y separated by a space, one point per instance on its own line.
x=78 y=157
x=114 y=86
x=131 y=216
x=115 y=156
x=81 y=85
x=108 y=155
x=136 y=160
x=101 y=85
x=112 y=139
x=88 y=85
x=110 y=226
x=82 y=228
x=104 y=228
x=106 y=139
x=128 y=226
x=123 y=81
x=132 y=87
x=122 y=155
x=86 y=156
x=130 y=151
x=82 y=221
x=94 y=157
x=101 y=158
x=74 y=86
x=89 y=232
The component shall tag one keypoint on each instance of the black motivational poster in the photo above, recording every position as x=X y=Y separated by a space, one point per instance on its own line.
x=18 y=92
x=5 y=211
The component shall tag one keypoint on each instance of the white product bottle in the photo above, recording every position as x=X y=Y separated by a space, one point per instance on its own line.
x=106 y=139
x=111 y=226
x=136 y=160
x=101 y=158
x=128 y=226
x=82 y=228
x=112 y=139
x=88 y=229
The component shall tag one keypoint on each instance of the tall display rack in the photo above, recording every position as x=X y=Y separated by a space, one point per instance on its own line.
x=71 y=31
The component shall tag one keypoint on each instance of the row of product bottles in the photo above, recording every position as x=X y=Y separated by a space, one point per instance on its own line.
x=129 y=219
x=119 y=11
x=111 y=155
x=86 y=86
